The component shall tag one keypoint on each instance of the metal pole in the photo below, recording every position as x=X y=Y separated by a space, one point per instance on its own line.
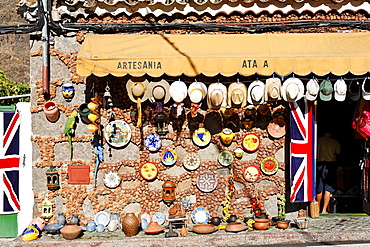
x=45 y=52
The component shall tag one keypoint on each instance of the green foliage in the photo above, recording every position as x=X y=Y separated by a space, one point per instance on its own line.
x=11 y=88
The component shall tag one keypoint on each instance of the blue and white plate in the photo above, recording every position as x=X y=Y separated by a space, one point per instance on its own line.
x=102 y=218
x=153 y=142
x=159 y=218
x=200 y=215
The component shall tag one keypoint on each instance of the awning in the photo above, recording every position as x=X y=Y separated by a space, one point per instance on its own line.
x=226 y=54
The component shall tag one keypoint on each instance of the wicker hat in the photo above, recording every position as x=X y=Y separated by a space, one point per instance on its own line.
x=216 y=96
x=178 y=91
x=137 y=89
x=292 y=89
x=237 y=95
x=273 y=89
x=159 y=91
x=197 y=91
x=256 y=92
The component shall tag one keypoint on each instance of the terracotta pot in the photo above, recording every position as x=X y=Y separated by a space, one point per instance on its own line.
x=70 y=231
x=130 y=224
x=51 y=111
x=283 y=224
x=154 y=228
x=261 y=224
x=235 y=227
x=203 y=228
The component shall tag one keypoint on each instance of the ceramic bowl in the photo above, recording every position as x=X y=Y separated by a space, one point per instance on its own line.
x=203 y=228
x=235 y=227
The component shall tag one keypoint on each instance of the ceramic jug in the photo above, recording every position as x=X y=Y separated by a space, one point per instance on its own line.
x=227 y=136
x=130 y=224
x=75 y=219
x=61 y=219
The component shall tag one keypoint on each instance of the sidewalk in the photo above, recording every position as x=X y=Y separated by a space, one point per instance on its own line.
x=324 y=229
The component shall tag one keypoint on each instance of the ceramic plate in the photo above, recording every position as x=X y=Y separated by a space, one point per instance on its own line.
x=159 y=218
x=251 y=142
x=269 y=166
x=201 y=137
x=149 y=170
x=111 y=179
x=145 y=216
x=117 y=133
x=251 y=173
x=169 y=157
x=101 y=218
x=200 y=215
x=191 y=161
x=207 y=181
x=225 y=158
x=153 y=142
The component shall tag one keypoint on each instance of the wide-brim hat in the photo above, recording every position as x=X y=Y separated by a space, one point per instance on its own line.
x=326 y=90
x=366 y=89
x=136 y=88
x=277 y=127
x=197 y=91
x=354 y=90
x=340 y=90
x=237 y=94
x=312 y=89
x=217 y=96
x=256 y=92
x=292 y=89
x=178 y=91
x=159 y=91
x=273 y=89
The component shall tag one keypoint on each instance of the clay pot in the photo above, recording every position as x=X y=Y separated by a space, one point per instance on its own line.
x=232 y=218
x=70 y=231
x=283 y=224
x=130 y=224
x=51 y=111
x=154 y=228
x=235 y=227
x=84 y=112
x=215 y=221
x=261 y=224
x=203 y=228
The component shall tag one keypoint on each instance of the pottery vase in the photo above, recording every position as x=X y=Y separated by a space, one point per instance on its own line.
x=283 y=224
x=112 y=226
x=84 y=112
x=261 y=224
x=227 y=136
x=75 y=219
x=130 y=224
x=51 y=111
x=70 y=231
x=40 y=222
x=61 y=219
x=68 y=91
x=183 y=231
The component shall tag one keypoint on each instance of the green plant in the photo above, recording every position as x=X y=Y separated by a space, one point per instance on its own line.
x=12 y=88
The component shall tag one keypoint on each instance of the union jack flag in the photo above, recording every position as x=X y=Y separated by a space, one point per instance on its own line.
x=9 y=162
x=302 y=151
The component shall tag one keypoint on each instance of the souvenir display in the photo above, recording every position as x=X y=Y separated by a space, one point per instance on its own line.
x=251 y=173
x=191 y=161
x=159 y=218
x=153 y=142
x=169 y=157
x=200 y=215
x=111 y=179
x=201 y=137
x=149 y=170
x=117 y=133
x=206 y=181
x=251 y=142
x=225 y=158
x=102 y=218
x=269 y=166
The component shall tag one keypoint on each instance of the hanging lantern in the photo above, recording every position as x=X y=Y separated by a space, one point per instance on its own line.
x=52 y=178
x=168 y=192
x=46 y=209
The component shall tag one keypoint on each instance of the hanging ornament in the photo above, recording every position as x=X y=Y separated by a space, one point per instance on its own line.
x=94 y=116
x=108 y=103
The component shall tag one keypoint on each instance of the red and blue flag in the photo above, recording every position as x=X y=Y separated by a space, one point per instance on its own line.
x=302 y=151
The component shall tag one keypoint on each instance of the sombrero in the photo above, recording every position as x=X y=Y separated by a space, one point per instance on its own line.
x=256 y=91
x=197 y=91
x=237 y=95
x=292 y=89
x=273 y=89
x=137 y=89
x=178 y=91
x=216 y=96
x=158 y=91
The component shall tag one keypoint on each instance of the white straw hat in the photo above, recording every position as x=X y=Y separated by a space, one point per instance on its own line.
x=178 y=91
x=256 y=92
x=292 y=89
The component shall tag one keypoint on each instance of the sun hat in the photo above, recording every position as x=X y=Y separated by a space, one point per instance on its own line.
x=366 y=89
x=273 y=89
x=178 y=91
x=312 y=89
x=159 y=91
x=136 y=89
x=340 y=90
x=326 y=90
x=197 y=91
x=237 y=95
x=292 y=89
x=354 y=90
x=216 y=96
x=256 y=91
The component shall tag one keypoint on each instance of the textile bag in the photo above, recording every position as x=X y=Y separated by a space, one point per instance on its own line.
x=361 y=121
x=314 y=209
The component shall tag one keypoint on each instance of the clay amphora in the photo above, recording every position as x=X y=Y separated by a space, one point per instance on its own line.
x=130 y=224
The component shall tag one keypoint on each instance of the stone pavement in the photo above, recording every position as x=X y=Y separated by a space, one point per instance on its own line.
x=324 y=229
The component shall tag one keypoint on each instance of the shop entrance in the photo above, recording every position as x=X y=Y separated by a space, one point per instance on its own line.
x=335 y=117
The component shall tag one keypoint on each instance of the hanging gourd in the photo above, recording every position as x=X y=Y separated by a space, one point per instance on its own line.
x=94 y=116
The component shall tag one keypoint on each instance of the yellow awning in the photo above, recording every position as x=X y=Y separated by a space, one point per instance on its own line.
x=226 y=54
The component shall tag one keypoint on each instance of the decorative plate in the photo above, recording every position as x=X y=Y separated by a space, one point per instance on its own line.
x=251 y=142
x=149 y=170
x=225 y=158
x=111 y=179
x=269 y=166
x=201 y=137
x=169 y=157
x=159 y=218
x=117 y=133
x=251 y=173
x=191 y=161
x=101 y=218
x=200 y=215
x=207 y=181
x=153 y=142
x=145 y=216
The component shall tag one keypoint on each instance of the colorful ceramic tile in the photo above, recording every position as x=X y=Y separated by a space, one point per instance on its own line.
x=169 y=157
x=191 y=161
x=206 y=181
x=117 y=133
x=153 y=142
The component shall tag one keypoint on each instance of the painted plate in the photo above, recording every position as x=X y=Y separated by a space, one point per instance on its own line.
x=169 y=157
x=101 y=218
x=111 y=179
x=159 y=218
x=117 y=133
x=225 y=158
x=251 y=142
x=200 y=215
x=251 y=173
x=201 y=137
x=207 y=181
x=269 y=166
x=153 y=142
x=149 y=170
x=191 y=161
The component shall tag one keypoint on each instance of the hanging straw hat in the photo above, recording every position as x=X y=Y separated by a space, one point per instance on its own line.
x=137 y=89
x=197 y=92
x=159 y=91
x=292 y=89
x=256 y=92
x=216 y=96
x=178 y=91
x=273 y=89
x=237 y=95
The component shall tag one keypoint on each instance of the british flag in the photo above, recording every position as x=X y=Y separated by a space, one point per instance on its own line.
x=9 y=162
x=302 y=151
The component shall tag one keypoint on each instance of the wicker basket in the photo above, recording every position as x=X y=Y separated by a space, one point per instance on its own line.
x=302 y=223
x=314 y=210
